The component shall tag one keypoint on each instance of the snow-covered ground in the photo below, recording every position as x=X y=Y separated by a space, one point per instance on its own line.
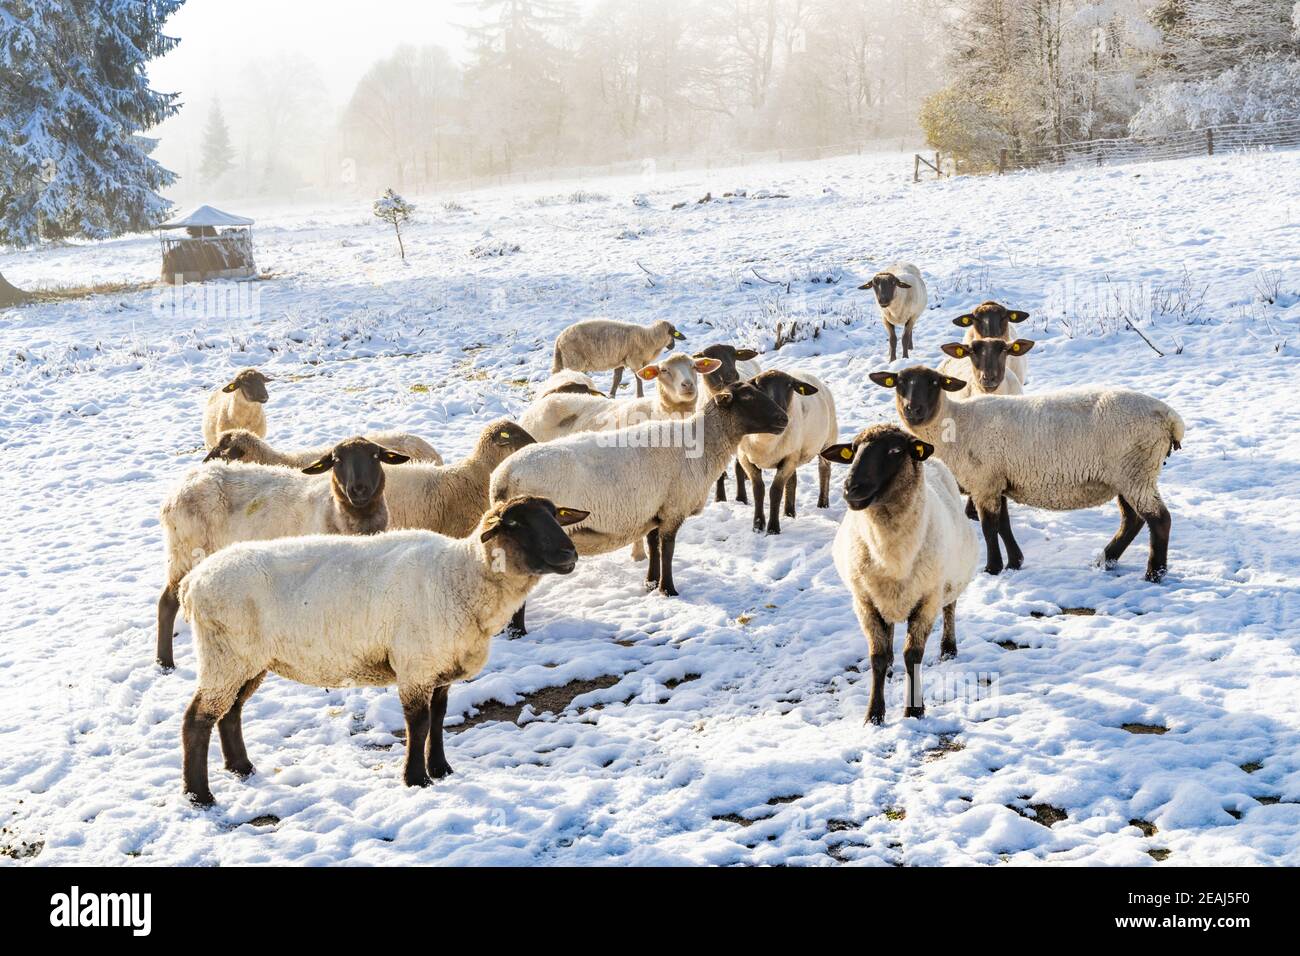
x=724 y=726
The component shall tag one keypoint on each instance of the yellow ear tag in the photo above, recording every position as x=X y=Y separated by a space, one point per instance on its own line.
x=505 y=434
x=562 y=512
x=965 y=320
x=846 y=454
x=889 y=383
x=961 y=352
x=1015 y=347
x=920 y=449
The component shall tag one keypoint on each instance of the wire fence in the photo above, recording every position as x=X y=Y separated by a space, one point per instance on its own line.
x=1208 y=140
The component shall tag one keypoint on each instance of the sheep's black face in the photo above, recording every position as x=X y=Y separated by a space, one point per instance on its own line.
x=358 y=477
x=918 y=392
x=885 y=284
x=229 y=447
x=877 y=459
x=988 y=358
x=535 y=527
x=251 y=384
x=753 y=409
x=781 y=388
x=726 y=373
x=991 y=320
x=507 y=436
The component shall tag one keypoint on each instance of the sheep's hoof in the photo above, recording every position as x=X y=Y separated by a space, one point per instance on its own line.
x=1156 y=575
x=438 y=771
x=821 y=503
x=1016 y=563
x=875 y=715
x=947 y=653
x=420 y=780
x=650 y=585
x=914 y=711
x=201 y=800
x=760 y=527
x=773 y=529
x=992 y=568
x=669 y=591
x=166 y=666
x=514 y=630
x=242 y=770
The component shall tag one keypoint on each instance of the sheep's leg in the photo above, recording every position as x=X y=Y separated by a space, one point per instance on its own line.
x=970 y=510
x=1015 y=557
x=756 y=479
x=918 y=629
x=948 y=648
x=618 y=377
x=1158 y=523
x=893 y=342
x=791 y=484
x=823 y=483
x=721 y=493
x=516 y=626
x=168 y=605
x=640 y=388
x=435 y=757
x=415 y=707
x=653 y=569
x=907 y=338
x=196 y=734
x=741 y=496
x=880 y=642
x=667 y=543
x=231 y=730
x=780 y=481
x=990 y=522
x=1130 y=523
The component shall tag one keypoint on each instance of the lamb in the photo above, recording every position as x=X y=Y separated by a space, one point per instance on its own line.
x=989 y=320
x=810 y=409
x=569 y=382
x=900 y=293
x=1058 y=450
x=219 y=504
x=597 y=345
x=239 y=444
x=982 y=364
x=450 y=499
x=641 y=481
x=903 y=550
x=737 y=365
x=237 y=404
x=559 y=414
x=410 y=608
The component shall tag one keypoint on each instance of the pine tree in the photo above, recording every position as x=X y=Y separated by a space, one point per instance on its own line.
x=218 y=155
x=73 y=99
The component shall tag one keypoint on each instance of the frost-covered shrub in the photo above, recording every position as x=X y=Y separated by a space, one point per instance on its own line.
x=1260 y=91
x=954 y=121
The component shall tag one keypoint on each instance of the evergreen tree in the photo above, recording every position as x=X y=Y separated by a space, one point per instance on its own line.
x=73 y=99
x=218 y=155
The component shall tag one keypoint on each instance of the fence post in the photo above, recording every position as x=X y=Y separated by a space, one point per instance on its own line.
x=1002 y=160
x=916 y=167
x=1209 y=142
x=937 y=167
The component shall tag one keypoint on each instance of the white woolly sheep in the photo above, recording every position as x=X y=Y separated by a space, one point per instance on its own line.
x=736 y=365
x=450 y=499
x=1058 y=450
x=410 y=608
x=904 y=551
x=810 y=409
x=642 y=481
x=237 y=404
x=989 y=320
x=218 y=504
x=900 y=293
x=239 y=444
x=983 y=365
x=598 y=345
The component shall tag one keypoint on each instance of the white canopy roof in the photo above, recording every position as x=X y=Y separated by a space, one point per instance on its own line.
x=207 y=216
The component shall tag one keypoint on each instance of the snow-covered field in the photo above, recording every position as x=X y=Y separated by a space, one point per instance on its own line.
x=724 y=726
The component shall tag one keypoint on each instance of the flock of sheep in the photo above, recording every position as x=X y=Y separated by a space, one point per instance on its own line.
x=374 y=563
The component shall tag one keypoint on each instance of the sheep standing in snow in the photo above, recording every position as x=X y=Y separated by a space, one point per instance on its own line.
x=900 y=293
x=239 y=444
x=812 y=426
x=598 y=345
x=982 y=365
x=450 y=499
x=410 y=608
x=219 y=504
x=989 y=320
x=735 y=365
x=237 y=404
x=903 y=550
x=643 y=481
x=1058 y=450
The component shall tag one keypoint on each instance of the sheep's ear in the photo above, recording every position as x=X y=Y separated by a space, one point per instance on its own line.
x=706 y=365
x=1017 y=316
x=803 y=388
x=491 y=530
x=746 y=354
x=901 y=284
x=868 y=285
x=214 y=453
x=678 y=335
x=952 y=384
x=649 y=372
x=838 y=454
x=1020 y=346
x=320 y=465
x=921 y=450
x=231 y=387
x=884 y=379
x=393 y=457
x=965 y=321
x=955 y=349
x=724 y=398
x=568 y=516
